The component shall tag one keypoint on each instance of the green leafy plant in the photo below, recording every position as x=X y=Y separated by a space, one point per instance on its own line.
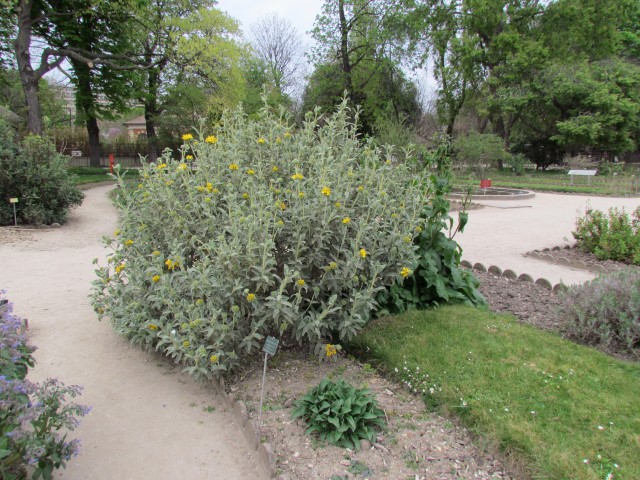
x=340 y=413
x=605 y=312
x=612 y=236
x=438 y=277
x=479 y=151
x=260 y=229
x=38 y=177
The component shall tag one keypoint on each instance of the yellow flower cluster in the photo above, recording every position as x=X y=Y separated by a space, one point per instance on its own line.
x=287 y=134
x=171 y=264
x=407 y=239
x=338 y=204
x=251 y=297
x=187 y=136
x=297 y=176
x=332 y=266
x=211 y=139
x=300 y=194
x=155 y=253
x=363 y=253
x=186 y=343
x=245 y=195
x=346 y=220
x=152 y=327
x=119 y=268
x=161 y=166
x=274 y=169
x=116 y=233
x=128 y=243
x=261 y=140
x=214 y=358
x=405 y=272
x=300 y=282
x=233 y=166
x=418 y=229
x=326 y=191
x=251 y=172
x=330 y=350
x=156 y=278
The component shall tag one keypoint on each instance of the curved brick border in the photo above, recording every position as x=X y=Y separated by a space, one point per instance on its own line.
x=564 y=261
x=264 y=451
x=512 y=275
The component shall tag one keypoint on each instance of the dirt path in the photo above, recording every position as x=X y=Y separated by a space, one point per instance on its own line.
x=149 y=421
x=502 y=232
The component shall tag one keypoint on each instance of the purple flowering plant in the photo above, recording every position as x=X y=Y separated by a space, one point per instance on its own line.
x=34 y=418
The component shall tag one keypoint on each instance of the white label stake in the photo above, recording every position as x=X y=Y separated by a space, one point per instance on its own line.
x=269 y=348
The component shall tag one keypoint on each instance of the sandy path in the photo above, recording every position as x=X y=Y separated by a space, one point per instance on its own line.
x=148 y=421
x=501 y=236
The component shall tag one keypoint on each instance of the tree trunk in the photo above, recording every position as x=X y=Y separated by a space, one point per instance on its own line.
x=344 y=50
x=28 y=78
x=86 y=105
x=151 y=110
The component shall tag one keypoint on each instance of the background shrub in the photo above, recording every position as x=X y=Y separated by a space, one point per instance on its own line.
x=606 y=312
x=260 y=230
x=612 y=236
x=479 y=151
x=35 y=174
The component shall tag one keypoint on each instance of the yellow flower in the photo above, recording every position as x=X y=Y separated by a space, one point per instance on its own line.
x=171 y=264
x=188 y=157
x=156 y=278
x=186 y=343
x=251 y=297
x=233 y=166
x=405 y=272
x=199 y=302
x=169 y=182
x=333 y=266
x=211 y=139
x=152 y=327
x=297 y=176
x=261 y=140
x=215 y=191
x=300 y=282
x=155 y=253
x=346 y=220
x=383 y=193
x=300 y=194
x=283 y=206
x=274 y=169
x=207 y=200
x=278 y=140
x=338 y=204
x=245 y=195
x=187 y=136
x=161 y=166
x=407 y=239
x=139 y=185
x=394 y=215
x=418 y=229
x=200 y=189
x=388 y=162
x=280 y=223
x=363 y=253
x=251 y=172
x=116 y=233
x=360 y=188
x=330 y=350
x=287 y=134
x=119 y=268
x=213 y=358
x=326 y=191
x=209 y=186
x=128 y=243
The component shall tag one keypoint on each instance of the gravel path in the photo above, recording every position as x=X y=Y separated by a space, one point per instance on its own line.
x=149 y=421
x=503 y=231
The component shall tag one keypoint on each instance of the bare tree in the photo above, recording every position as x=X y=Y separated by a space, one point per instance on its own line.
x=277 y=42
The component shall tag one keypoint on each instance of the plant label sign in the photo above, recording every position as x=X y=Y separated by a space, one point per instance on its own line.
x=271 y=345
x=13 y=200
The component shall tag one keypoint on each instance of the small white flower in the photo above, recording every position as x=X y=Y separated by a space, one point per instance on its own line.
x=506 y=409
x=173 y=332
x=616 y=465
x=533 y=412
x=600 y=427
x=585 y=461
x=396 y=369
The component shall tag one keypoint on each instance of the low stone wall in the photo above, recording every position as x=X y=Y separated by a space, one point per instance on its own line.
x=512 y=275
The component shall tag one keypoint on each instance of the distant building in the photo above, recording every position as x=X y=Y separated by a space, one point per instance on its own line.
x=136 y=127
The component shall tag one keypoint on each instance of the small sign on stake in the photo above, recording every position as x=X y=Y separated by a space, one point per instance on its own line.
x=269 y=348
x=13 y=201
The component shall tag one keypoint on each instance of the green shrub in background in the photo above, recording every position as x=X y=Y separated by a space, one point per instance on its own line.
x=35 y=174
x=605 y=312
x=612 y=236
x=340 y=414
x=257 y=230
x=479 y=152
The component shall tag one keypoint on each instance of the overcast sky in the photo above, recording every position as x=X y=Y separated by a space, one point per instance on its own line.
x=301 y=13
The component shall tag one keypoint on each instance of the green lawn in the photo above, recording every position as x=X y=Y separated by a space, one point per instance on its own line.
x=547 y=403
x=560 y=181
x=85 y=175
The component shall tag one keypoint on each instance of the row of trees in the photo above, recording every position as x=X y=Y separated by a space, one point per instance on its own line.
x=546 y=77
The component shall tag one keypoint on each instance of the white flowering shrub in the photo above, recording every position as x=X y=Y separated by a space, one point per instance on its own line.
x=259 y=229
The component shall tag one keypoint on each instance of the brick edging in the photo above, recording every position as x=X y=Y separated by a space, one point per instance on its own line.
x=264 y=451
x=512 y=275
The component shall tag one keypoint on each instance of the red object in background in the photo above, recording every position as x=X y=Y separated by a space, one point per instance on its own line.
x=486 y=183
x=111 y=162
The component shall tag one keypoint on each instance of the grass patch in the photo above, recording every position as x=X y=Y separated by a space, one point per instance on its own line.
x=85 y=175
x=560 y=181
x=542 y=400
